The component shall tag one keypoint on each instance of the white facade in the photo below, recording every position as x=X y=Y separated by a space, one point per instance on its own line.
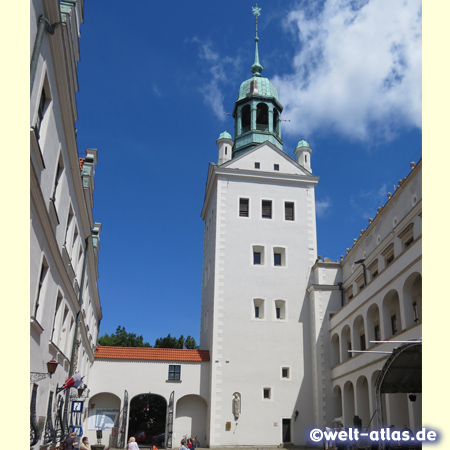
x=64 y=302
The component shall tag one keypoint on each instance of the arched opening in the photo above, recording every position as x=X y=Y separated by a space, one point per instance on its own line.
x=373 y=324
x=262 y=117
x=346 y=344
x=337 y=404
x=359 y=334
x=362 y=400
x=335 y=352
x=191 y=417
x=412 y=298
x=349 y=403
x=246 y=119
x=391 y=314
x=104 y=412
x=147 y=419
x=276 y=122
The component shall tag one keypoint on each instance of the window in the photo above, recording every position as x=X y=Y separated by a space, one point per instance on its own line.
x=59 y=171
x=388 y=254
x=285 y=372
x=394 y=323
x=349 y=293
x=257 y=165
x=243 y=207
x=266 y=393
x=42 y=276
x=175 y=373
x=256 y=258
x=407 y=236
x=277 y=259
x=377 y=333
x=360 y=282
x=258 y=305
x=279 y=256
x=280 y=309
x=276 y=167
x=258 y=255
x=266 y=209
x=373 y=269
x=288 y=211
x=362 y=341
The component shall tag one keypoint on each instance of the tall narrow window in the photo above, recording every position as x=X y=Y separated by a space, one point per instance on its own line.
x=279 y=256
x=377 y=333
x=59 y=171
x=266 y=393
x=394 y=323
x=69 y=223
x=288 y=211
x=256 y=258
x=41 y=110
x=415 y=312
x=42 y=276
x=362 y=341
x=285 y=372
x=266 y=209
x=280 y=309
x=55 y=317
x=243 y=207
x=277 y=259
x=258 y=307
x=257 y=312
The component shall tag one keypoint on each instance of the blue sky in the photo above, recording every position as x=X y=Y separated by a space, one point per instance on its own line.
x=155 y=80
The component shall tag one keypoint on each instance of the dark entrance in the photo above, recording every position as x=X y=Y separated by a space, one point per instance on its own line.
x=286 y=430
x=147 y=421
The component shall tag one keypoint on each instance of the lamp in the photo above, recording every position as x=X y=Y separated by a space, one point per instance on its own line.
x=81 y=389
x=51 y=368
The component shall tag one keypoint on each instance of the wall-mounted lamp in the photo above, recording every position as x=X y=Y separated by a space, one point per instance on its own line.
x=361 y=261
x=296 y=415
x=51 y=369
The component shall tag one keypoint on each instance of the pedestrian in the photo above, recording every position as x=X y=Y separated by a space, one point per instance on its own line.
x=85 y=444
x=132 y=444
x=71 y=441
x=183 y=444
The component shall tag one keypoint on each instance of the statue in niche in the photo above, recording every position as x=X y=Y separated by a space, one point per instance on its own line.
x=236 y=405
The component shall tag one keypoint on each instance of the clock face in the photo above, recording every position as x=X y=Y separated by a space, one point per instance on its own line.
x=77 y=406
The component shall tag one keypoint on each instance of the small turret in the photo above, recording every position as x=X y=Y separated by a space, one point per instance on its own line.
x=303 y=154
x=225 y=144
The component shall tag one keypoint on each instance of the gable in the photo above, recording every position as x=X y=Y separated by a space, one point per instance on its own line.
x=268 y=157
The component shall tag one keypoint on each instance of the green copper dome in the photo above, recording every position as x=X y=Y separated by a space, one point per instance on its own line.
x=303 y=143
x=225 y=135
x=257 y=85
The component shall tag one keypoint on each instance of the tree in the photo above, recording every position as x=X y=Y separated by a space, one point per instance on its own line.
x=122 y=339
x=173 y=342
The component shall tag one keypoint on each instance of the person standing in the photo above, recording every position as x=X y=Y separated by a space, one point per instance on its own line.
x=132 y=444
x=183 y=444
x=71 y=441
x=85 y=444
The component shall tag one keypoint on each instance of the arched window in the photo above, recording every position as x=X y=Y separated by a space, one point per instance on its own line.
x=276 y=122
x=262 y=117
x=246 y=119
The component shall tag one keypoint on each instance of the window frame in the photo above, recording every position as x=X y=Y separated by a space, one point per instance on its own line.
x=174 y=372
x=244 y=207
x=266 y=209
x=289 y=211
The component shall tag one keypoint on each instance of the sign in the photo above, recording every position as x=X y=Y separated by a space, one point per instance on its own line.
x=77 y=430
x=77 y=406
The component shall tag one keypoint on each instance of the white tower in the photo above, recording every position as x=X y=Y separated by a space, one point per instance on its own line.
x=259 y=245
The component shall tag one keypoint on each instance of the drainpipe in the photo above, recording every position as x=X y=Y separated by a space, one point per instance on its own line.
x=43 y=23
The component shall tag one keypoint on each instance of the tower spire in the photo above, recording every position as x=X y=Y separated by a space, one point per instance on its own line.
x=256 y=68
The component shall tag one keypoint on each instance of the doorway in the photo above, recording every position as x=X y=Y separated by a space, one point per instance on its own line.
x=286 y=430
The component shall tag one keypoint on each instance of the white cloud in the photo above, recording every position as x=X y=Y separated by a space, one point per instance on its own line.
x=358 y=69
x=322 y=207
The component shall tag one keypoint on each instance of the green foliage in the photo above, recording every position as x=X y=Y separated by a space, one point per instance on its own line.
x=122 y=339
x=173 y=342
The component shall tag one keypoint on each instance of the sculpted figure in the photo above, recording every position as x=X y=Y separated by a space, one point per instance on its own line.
x=236 y=405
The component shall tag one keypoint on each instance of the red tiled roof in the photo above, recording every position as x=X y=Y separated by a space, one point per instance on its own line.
x=155 y=354
x=81 y=162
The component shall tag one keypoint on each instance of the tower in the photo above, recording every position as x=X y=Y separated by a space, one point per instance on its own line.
x=259 y=246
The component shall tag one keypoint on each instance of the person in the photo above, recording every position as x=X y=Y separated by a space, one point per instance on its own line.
x=85 y=444
x=183 y=444
x=191 y=443
x=71 y=441
x=132 y=444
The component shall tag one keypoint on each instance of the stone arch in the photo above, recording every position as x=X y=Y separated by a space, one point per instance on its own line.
x=147 y=413
x=359 y=334
x=262 y=117
x=349 y=403
x=412 y=299
x=335 y=350
x=363 y=400
x=391 y=314
x=373 y=324
x=104 y=410
x=191 y=417
x=346 y=343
